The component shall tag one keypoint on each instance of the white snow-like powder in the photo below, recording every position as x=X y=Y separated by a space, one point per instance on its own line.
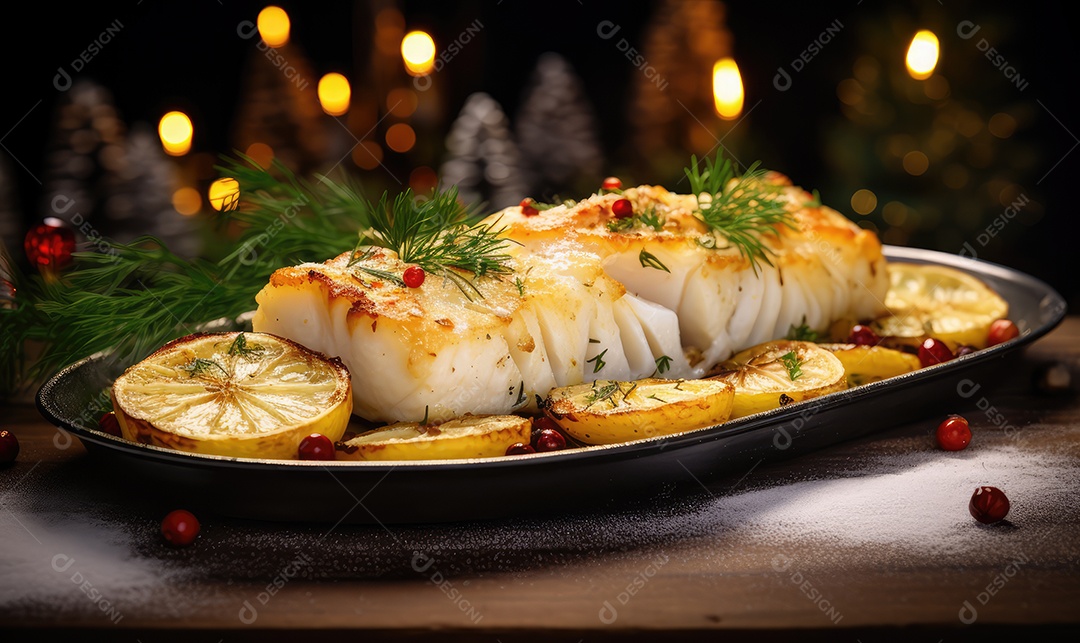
x=72 y=556
x=917 y=501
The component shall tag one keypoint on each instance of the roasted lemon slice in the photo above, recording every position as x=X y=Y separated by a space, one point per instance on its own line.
x=471 y=436
x=236 y=394
x=864 y=364
x=781 y=372
x=936 y=301
x=608 y=412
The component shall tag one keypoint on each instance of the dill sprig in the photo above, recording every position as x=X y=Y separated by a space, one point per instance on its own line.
x=439 y=235
x=802 y=332
x=741 y=208
x=792 y=364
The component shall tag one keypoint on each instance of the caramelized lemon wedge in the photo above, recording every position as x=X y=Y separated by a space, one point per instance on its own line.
x=234 y=394
x=865 y=364
x=608 y=412
x=937 y=301
x=781 y=372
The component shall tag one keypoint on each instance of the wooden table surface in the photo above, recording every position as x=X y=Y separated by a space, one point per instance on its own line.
x=80 y=550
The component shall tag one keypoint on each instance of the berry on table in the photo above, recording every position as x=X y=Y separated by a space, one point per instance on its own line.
x=989 y=505
x=9 y=447
x=180 y=527
x=954 y=433
x=316 y=447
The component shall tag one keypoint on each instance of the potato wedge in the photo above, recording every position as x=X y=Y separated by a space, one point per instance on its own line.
x=864 y=364
x=471 y=436
x=780 y=372
x=609 y=412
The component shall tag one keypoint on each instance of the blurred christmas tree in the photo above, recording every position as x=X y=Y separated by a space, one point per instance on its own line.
x=672 y=113
x=556 y=132
x=483 y=160
x=934 y=161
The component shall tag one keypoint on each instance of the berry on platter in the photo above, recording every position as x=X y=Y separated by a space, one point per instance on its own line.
x=414 y=276
x=1001 y=331
x=549 y=440
x=316 y=447
x=519 y=448
x=863 y=336
x=989 y=505
x=611 y=183
x=934 y=351
x=622 y=209
x=180 y=527
x=109 y=424
x=954 y=433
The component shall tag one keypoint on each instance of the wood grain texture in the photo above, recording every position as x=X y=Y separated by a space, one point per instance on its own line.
x=681 y=570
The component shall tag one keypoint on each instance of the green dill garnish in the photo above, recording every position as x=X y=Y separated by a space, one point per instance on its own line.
x=648 y=219
x=815 y=202
x=791 y=363
x=649 y=260
x=519 y=283
x=663 y=364
x=620 y=225
x=383 y=274
x=241 y=347
x=424 y=422
x=594 y=341
x=598 y=361
x=604 y=393
x=521 y=394
x=654 y=397
x=201 y=366
x=632 y=388
x=802 y=332
x=743 y=209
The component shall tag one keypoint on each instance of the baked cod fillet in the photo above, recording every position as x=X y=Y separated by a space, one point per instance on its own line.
x=581 y=304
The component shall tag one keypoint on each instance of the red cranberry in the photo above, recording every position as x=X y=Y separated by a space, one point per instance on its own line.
x=964 y=349
x=989 y=505
x=622 y=209
x=519 y=448
x=863 y=336
x=109 y=424
x=9 y=447
x=549 y=440
x=316 y=447
x=528 y=209
x=544 y=422
x=954 y=433
x=414 y=276
x=611 y=183
x=934 y=351
x=1002 y=331
x=180 y=528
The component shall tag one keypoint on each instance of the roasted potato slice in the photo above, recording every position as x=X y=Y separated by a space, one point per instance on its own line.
x=780 y=372
x=609 y=412
x=864 y=364
x=471 y=436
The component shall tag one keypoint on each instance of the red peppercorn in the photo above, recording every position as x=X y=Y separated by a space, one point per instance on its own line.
x=9 y=447
x=989 y=505
x=863 y=336
x=519 y=448
x=1001 y=331
x=528 y=209
x=180 y=528
x=414 y=276
x=622 y=209
x=109 y=424
x=934 y=351
x=611 y=183
x=549 y=440
x=316 y=447
x=954 y=433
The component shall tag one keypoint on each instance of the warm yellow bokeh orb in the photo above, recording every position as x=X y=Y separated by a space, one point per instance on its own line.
x=863 y=201
x=187 y=201
x=274 y=26
x=418 y=52
x=728 y=92
x=922 y=55
x=334 y=94
x=400 y=137
x=224 y=194
x=176 y=132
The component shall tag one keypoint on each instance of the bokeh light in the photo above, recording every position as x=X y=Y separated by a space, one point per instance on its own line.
x=224 y=193
x=728 y=92
x=176 y=132
x=274 y=26
x=418 y=52
x=187 y=201
x=334 y=94
x=922 y=55
x=400 y=137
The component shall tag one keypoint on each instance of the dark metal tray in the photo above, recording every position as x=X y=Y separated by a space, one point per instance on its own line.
x=600 y=477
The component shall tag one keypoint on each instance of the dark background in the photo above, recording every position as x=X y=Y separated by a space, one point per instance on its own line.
x=187 y=55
